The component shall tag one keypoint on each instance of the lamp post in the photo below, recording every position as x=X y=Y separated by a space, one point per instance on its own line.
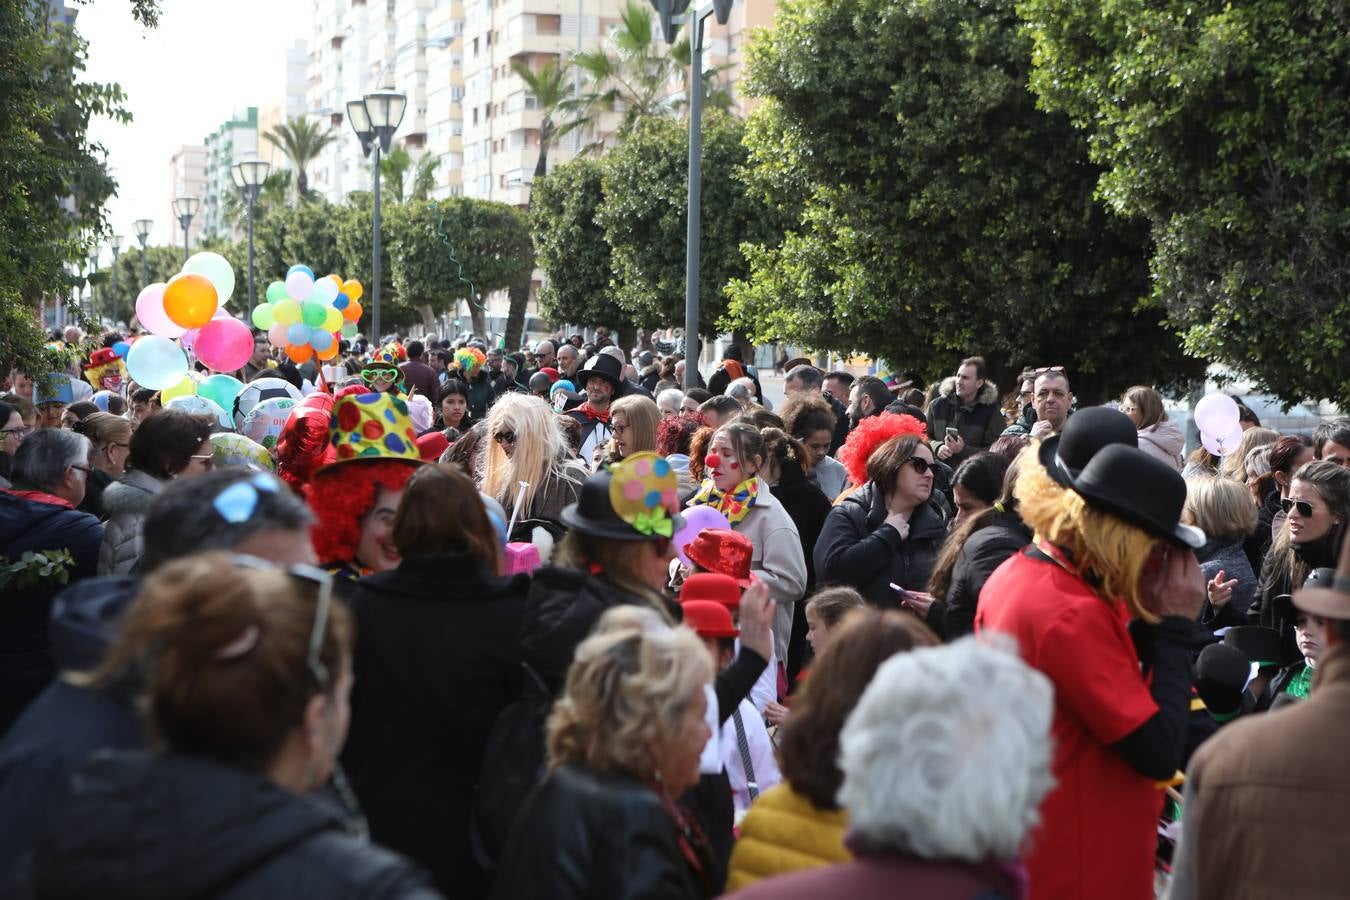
x=249 y=175
x=185 y=208
x=93 y=295
x=143 y=227
x=116 y=245
x=375 y=118
x=668 y=10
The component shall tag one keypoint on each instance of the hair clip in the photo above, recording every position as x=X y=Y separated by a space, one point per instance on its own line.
x=240 y=646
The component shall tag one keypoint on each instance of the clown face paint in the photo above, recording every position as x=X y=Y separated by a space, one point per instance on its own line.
x=725 y=467
x=376 y=548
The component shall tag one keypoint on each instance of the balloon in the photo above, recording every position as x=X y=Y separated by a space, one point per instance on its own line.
x=341 y=301
x=216 y=269
x=263 y=317
x=156 y=362
x=276 y=291
x=187 y=387
x=353 y=289
x=350 y=330
x=299 y=285
x=276 y=335
x=121 y=348
x=300 y=353
x=353 y=311
x=1222 y=446
x=190 y=299
x=325 y=291
x=221 y=389
x=332 y=319
x=298 y=267
x=235 y=451
x=287 y=311
x=320 y=340
x=297 y=334
x=337 y=279
x=150 y=311
x=304 y=445
x=200 y=406
x=696 y=519
x=328 y=354
x=224 y=344
x=1216 y=414
x=188 y=339
x=313 y=312
x=265 y=421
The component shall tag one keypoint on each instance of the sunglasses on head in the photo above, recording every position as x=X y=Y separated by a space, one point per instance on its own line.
x=323 y=583
x=1045 y=370
x=1305 y=509
x=238 y=502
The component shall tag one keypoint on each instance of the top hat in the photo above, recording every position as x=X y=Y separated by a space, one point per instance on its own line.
x=372 y=426
x=602 y=365
x=709 y=619
x=725 y=551
x=635 y=500
x=1330 y=601
x=1283 y=604
x=1140 y=489
x=1087 y=431
x=1260 y=645
x=714 y=586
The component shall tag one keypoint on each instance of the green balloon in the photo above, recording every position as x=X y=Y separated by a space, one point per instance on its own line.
x=263 y=318
x=276 y=291
x=313 y=313
x=349 y=330
x=222 y=389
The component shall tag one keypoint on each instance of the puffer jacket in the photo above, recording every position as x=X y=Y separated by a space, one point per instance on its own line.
x=979 y=423
x=126 y=502
x=983 y=552
x=1164 y=441
x=150 y=826
x=857 y=548
x=784 y=832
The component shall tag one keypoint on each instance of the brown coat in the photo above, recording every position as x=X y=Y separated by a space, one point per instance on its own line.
x=1267 y=801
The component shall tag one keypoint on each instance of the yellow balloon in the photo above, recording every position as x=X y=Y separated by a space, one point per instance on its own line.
x=185 y=388
x=332 y=319
x=337 y=279
x=353 y=289
x=287 y=311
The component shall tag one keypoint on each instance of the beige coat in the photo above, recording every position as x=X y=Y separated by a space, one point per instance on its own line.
x=777 y=559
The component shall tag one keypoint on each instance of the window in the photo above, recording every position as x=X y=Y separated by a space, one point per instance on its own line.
x=548 y=24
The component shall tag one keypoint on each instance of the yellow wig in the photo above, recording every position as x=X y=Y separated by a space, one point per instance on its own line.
x=1110 y=553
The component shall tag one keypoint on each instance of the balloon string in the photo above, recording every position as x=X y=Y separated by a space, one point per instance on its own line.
x=450 y=251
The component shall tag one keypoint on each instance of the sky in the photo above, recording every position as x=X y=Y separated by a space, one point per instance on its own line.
x=183 y=79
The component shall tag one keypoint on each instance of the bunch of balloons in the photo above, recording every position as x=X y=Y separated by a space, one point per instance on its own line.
x=304 y=316
x=188 y=313
x=1216 y=415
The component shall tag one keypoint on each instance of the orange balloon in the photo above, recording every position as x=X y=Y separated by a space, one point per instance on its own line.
x=337 y=279
x=328 y=354
x=353 y=290
x=190 y=300
x=352 y=312
x=299 y=353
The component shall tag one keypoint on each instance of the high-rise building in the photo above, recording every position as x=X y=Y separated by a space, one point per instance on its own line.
x=187 y=178
x=236 y=138
x=285 y=108
x=58 y=12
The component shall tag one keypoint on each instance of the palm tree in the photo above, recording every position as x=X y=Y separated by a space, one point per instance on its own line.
x=550 y=89
x=301 y=141
x=424 y=180
x=394 y=168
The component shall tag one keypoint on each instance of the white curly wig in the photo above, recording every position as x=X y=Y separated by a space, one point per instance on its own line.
x=947 y=754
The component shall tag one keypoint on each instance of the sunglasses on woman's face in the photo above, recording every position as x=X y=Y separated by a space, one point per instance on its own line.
x=505 y=437
x=371 y=374
x=920 y=464
x=1305 y=509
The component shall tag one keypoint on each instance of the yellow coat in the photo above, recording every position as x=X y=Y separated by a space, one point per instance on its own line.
x=783 y=832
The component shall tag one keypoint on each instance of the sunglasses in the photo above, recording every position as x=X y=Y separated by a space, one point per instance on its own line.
x=1305 y=509
x=920 y=464
x=372 y=374
x=505 y=437
x=238 y=502
x=208 y=461
x=1045 y=370
x=323 y=583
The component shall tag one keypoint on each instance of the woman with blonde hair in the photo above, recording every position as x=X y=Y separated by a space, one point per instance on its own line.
x=633 y=421
x=523 y=444
x=111 y=437
x=1223 y=510
x=1234 y=465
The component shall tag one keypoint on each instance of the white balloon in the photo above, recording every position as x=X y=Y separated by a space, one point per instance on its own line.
x=1216 y=414
x=1222 y=446
x=325 y=291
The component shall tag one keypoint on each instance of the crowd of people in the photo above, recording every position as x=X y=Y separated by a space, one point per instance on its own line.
x=549 y=624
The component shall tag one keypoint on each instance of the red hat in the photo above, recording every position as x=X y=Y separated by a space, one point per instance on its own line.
x=711 y=587
x=551 y=372
x=431 y=445
x=709 y=619
x=723 y=550
x=101 y=357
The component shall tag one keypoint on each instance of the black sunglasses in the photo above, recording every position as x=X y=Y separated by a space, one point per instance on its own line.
x=1047 y=369
x=1305 y=509
x=920 y=464
x=505 y=437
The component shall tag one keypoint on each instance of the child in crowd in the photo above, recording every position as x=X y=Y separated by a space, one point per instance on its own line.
x=825 y=610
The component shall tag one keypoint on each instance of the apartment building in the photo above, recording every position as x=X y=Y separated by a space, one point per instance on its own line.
x=187 y=178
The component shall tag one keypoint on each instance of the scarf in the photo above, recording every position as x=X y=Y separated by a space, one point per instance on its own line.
x=41 y=497
x=734 y=504
x=592 y=413
x=1300 y=685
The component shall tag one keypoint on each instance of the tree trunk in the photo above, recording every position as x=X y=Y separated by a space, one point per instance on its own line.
x=477 y=319
x=428 y=317
x=518 y=296
x=628 y=335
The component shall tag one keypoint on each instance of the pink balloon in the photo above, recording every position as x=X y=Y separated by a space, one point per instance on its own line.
x=277 y=335
x=697 y=518
x=150 y=312
x=224 y=344
x=188 y=338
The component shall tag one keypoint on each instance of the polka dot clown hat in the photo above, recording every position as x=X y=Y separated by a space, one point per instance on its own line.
x=372 y=427
x=635 y=500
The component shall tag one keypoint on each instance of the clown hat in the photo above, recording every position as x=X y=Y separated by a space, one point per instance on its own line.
x=101 y=357
x=725 y=551
x=711 y=587
x=390 y=354
x=371 y=427
x=709 y=619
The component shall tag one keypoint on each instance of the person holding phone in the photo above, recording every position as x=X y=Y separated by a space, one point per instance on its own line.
x=965 y=418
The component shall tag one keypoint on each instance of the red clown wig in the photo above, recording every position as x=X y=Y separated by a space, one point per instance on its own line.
x=341 y=496
x=871 y=433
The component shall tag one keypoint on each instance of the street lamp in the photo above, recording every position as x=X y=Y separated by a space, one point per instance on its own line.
x=249 y=175
x=116 y=245
x=668 y=9
x=93 y=296
x=375 y=118
x=185 y=208
x=143 y=227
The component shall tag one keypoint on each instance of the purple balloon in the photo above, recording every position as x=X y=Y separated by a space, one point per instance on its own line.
x=696 y=519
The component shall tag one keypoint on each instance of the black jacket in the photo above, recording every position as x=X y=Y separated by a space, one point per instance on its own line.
x=149 y=826
x=598 y=836
x=983 y=552
x=856 y=548
x=1274 y=581
x=808 y=508
x=437 y=659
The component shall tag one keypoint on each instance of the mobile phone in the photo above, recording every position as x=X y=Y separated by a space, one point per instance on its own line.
x=952 y=433
x=901 y=591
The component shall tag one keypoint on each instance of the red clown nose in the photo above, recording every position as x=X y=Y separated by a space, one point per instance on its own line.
x=712 y=460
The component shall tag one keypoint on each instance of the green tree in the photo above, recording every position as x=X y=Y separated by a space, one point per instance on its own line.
x=305 y=233
x=551 y=87
x=424 y=179
x=644 y=217
x=936 y=212
x=353 y=226
x=394 y=168
x=301 y=140
x=1223 y=124
x=161 y=264
x=458 y=249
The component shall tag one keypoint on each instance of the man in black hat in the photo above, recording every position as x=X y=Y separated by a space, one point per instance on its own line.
x=602 y=377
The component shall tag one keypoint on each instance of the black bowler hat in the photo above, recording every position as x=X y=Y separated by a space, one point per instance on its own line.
x=1259 y=644
x=1140 y=489
x=602 y=365
x=1064 y=455
x=639 y=507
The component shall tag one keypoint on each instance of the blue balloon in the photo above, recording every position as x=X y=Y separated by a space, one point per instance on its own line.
x=121 y=348
x=341 y=301
x=299 y=268
x=320 y=340
x=298 y=333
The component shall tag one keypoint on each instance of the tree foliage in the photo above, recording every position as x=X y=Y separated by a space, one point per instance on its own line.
x=301 y=140
x=936 y=212
x=161 y=264
x=571 y=245
x=1223 y=122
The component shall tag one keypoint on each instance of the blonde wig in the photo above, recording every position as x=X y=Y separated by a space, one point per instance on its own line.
x=540 y=450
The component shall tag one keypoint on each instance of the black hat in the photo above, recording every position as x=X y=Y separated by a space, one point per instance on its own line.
x=1221 y=674
x=1064 y=455
x=602 y=365
x=1140 y=489
x=1260 y=645
x=594 y=512
x=1283 y=604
